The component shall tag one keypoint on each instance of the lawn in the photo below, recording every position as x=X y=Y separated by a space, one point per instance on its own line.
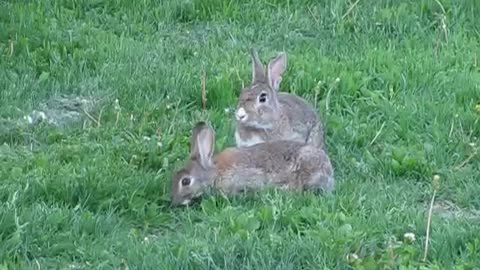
x=397 y=84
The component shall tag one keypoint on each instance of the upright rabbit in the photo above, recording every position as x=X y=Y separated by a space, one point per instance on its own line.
x=285 y=164
x=266 y=114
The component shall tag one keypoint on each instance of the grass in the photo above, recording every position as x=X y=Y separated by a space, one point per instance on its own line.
x=96 y=196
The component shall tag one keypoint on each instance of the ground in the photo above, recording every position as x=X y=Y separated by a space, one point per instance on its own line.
x=397 y=84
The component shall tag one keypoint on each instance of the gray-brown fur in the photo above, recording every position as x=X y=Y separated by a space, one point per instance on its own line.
x=284 y=164
x=282 y=116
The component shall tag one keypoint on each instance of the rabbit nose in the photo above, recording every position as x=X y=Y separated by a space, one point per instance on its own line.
x=241 y=114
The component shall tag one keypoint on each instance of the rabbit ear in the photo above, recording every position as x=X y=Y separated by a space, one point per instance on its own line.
x=203 y=144
x=276 y=67
x=258 y=72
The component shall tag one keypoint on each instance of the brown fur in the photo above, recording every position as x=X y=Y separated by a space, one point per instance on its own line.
x=284 y=164
x=282 y=116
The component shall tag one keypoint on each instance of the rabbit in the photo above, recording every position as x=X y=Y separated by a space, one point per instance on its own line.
x=265 y=114
x=290 y=165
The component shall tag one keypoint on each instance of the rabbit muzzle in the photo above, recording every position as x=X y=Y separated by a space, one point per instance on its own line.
x=241 y=114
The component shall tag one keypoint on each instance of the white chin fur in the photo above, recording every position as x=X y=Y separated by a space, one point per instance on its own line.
x=241 y=115
x=185 y=202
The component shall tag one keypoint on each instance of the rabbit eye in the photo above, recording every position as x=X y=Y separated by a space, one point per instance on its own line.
x=186 y=181
x=262 y=98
